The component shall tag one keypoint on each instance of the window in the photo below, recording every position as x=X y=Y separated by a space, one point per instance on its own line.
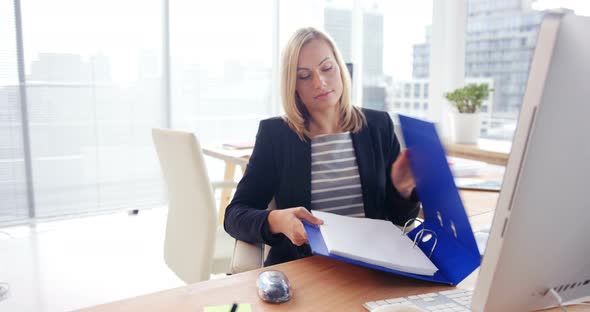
x=93 y=96
x=407 y=88
x=96 y=83
x=416 y=90
x=13 y=177
x=221 y=79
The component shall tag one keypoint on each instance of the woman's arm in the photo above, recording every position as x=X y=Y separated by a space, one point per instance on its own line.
x=246 y=217
x=406 y=206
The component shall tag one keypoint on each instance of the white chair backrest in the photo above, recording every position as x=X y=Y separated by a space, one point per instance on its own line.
x=192 y=216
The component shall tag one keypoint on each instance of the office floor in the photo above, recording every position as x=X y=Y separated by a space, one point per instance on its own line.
x=66 y=265
x=70 y=264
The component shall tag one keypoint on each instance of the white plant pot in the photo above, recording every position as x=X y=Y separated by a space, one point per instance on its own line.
x=465 y=128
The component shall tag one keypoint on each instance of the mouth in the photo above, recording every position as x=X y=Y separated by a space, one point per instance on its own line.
x=323 y=95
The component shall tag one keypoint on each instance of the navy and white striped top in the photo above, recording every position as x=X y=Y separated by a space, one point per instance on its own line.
x=335 y=179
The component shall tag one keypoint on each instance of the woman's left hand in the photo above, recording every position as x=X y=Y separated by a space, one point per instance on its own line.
x=401 y=175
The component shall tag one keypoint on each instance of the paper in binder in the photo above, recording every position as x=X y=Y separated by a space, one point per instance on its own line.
x=454 y=252
x=388 y=247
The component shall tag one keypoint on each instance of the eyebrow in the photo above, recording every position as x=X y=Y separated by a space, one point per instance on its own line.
x=303 y=68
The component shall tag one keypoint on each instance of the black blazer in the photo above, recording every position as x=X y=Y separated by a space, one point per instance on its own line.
x=280 y=166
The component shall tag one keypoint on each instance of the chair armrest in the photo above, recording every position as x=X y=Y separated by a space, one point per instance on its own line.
x=223 y=184
x=246 y=257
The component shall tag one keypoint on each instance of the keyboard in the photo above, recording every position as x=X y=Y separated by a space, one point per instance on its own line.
x=455 y=300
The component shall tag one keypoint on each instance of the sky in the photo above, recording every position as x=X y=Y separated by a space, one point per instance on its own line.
x=580 y=7
x=405 y=22
x=404 y=25
x=92 y=27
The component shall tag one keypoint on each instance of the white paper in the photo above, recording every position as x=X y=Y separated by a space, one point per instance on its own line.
x=377 y=242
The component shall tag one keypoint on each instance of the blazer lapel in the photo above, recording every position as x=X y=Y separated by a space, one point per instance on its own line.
x=365 y=158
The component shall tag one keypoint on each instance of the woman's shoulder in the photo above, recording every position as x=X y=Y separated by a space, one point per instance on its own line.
x=277 y=127
x=274 y=124
x=275 y=121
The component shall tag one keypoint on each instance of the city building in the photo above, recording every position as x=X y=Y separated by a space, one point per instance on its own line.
x=500 y=40
x=421 y=55
x=411 y=98
x=338 y=23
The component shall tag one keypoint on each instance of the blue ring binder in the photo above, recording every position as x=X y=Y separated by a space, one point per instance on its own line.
x=454 y=252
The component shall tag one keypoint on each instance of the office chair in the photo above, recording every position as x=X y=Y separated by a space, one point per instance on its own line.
x=195 y=246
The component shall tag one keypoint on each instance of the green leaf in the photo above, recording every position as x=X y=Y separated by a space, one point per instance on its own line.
x=469 y=98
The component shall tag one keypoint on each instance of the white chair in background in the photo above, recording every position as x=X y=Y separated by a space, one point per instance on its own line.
x=195 y=246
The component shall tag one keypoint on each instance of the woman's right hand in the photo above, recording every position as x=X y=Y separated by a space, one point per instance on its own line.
x=288 y=222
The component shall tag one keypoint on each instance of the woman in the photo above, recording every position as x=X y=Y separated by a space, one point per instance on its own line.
x=324 y=154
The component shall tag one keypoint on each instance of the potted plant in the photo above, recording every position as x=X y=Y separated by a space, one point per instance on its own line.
x=466 y=120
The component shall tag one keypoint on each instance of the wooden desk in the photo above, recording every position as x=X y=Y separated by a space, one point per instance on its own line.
x=318 y=283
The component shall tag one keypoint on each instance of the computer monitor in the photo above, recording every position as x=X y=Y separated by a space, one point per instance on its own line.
x=540 y=235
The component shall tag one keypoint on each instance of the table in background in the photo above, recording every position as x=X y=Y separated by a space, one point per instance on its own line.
x=240 y=157
x=489 y=151
x=232 y=159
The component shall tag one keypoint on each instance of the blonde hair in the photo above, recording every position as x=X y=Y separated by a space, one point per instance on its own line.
x=296 y=115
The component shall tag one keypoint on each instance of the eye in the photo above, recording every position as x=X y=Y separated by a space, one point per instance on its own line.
x=304 y=77
x=327 y=68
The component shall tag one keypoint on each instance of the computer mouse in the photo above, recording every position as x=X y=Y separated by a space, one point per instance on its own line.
x=398 y=308
x=273 y=286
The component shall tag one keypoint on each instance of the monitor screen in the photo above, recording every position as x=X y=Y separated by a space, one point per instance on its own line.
x=538 y=251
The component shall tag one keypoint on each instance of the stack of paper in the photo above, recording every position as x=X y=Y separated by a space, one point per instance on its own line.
x=461 y=167
x=376 y=242
x=478 y=184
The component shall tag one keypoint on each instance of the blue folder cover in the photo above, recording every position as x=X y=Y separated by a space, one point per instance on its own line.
x=456 y=254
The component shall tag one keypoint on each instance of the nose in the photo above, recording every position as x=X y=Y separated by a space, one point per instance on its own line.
x=318 y=80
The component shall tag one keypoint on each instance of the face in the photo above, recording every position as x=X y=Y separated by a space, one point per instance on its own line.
x=319 y=84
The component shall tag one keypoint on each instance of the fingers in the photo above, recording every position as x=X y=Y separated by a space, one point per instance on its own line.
x=401 y=167
x=402 y=160
x=289 y=222
x=299 y=236
x=402 y=176
x=303 y=214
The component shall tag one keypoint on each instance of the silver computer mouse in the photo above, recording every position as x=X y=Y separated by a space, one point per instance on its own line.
x=273 y=286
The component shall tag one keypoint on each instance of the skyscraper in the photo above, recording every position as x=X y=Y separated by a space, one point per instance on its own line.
x=338 y=23
x=421 y=55
x=373 y=46
x=500 y=40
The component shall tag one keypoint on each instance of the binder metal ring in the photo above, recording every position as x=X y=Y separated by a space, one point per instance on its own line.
x=419 y=237
x=407 y=223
